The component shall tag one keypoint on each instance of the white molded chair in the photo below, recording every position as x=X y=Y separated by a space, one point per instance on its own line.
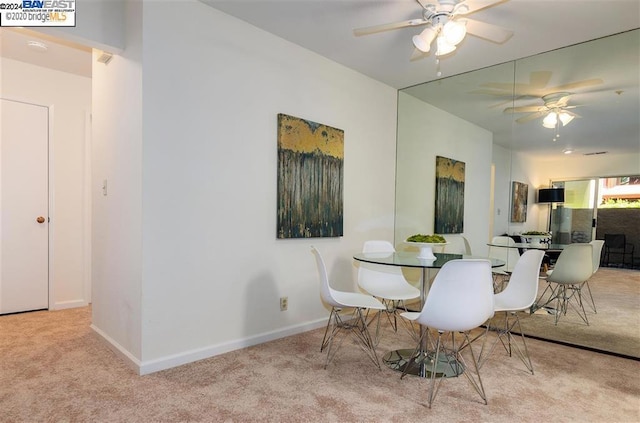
x=386 y=283
x=519 y=295
x=460 y=299
x=509 y=254
x=457 y=244
x=597 y=245
x=355 y=323
x=572 y=269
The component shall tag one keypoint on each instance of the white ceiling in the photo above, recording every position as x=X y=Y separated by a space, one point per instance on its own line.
x=326 y=27
x=60 y=55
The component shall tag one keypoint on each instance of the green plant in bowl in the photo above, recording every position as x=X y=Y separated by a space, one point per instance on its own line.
x=427 y=239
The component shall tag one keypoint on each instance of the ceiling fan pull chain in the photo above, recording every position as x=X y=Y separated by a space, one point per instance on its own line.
x=438 y=71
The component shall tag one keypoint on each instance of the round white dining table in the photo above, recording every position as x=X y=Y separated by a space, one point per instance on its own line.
x=398 y=359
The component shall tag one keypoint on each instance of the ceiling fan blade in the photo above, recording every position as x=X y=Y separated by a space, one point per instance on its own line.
x=525 y=109
x=539 y=79
x=532 y=116
x=488 y=31
x=575 y=115
x=423 y=3
x=497 y=105
x=509 y=89
x=562 y=101
x=501 y=86
x=577 y=85
x=508 y=101
x=470 y=6
x=387 y=27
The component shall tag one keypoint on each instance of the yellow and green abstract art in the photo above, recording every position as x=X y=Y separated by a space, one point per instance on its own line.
x=310 y=179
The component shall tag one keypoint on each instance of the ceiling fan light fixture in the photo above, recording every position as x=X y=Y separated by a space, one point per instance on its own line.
x=444 y=47
x=423 y=41
x=550 y=121
x=565 y=118
x=455 y=31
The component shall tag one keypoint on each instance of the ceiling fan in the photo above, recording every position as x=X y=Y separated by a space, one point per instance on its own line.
x=447 y=24
x=555 y=110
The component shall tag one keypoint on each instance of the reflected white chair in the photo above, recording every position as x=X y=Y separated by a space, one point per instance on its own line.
x=572 y=269
x=508 y=253
x=597 y=245
x=459 y=300
x=386 y=283
x=354 y=323
x=457 y=244
x=519 y=295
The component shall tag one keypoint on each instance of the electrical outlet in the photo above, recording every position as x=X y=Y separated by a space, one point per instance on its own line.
x=284 y=303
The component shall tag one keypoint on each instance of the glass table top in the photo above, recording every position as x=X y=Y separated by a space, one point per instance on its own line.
x=410 y=259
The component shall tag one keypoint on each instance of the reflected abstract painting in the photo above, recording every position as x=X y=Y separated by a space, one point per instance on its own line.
x=449 y=212
x=310 y=169
x=519 y=193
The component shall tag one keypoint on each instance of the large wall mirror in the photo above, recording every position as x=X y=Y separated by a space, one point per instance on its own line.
x=492 y=120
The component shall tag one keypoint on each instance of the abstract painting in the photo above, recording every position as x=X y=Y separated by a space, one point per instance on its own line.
x=310 y=169
x=519 y=193
x=449 y=213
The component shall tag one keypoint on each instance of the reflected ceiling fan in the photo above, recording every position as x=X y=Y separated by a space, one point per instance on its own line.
x=555 y=110
x=447 y=24
x=535 y=88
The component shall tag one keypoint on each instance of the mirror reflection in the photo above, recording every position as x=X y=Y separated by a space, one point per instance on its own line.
x=567 y=118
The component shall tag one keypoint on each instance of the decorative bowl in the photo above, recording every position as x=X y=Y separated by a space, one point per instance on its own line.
x=537 y=240
x=426 y=248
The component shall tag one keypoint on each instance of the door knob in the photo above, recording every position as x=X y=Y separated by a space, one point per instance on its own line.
x=40 y=219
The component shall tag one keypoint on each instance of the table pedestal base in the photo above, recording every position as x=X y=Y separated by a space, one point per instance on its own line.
x=447 y=365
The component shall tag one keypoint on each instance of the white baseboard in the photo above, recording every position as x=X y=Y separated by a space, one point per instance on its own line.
x=175 y=360
x=120 y=351
x=69 y=304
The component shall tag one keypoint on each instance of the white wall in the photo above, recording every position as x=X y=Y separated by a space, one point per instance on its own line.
x=425 y=132
x=69 y=98
x=189 y=226
x=117 y=226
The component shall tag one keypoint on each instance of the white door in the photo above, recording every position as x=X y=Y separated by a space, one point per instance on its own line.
x=24 y=222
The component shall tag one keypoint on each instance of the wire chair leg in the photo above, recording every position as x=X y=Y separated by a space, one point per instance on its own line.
x=592 y=303
x=524 y=355
x=357 y=326
x=477 y=384
x=432 y=382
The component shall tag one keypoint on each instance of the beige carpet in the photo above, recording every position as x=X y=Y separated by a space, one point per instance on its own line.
x=53 y=368
x=614 y=328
